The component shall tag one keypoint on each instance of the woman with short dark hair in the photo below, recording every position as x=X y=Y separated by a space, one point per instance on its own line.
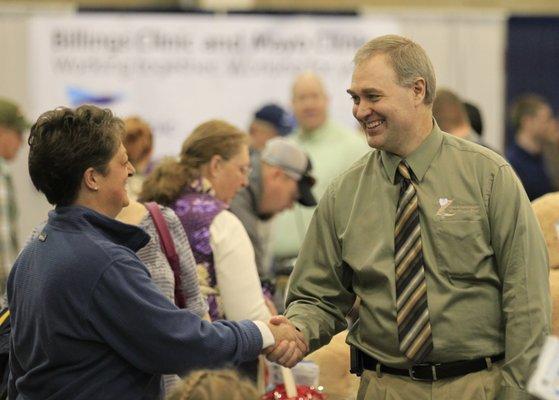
x=64 y=144
x=87 y=320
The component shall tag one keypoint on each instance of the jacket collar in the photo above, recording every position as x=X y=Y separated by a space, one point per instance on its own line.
x=77 y=217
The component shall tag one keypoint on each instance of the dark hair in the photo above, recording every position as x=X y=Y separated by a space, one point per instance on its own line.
x=167 y=182
x=474 y=114
x=64 y=143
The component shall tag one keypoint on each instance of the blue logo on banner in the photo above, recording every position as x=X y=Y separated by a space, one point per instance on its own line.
x=78 y=96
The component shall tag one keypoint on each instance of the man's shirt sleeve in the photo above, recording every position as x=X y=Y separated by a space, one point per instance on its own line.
x=320 y=294
x=522 y=264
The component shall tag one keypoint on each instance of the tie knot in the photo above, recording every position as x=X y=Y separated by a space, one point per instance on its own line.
x=404 y=170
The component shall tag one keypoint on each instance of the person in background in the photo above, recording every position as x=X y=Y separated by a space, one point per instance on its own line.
x=269 y=122
x=215 y=385
x=438 y=240
x=281 y=176
x=451 y=115
x=87 y=320
x=532 y=118
x=331 y=149
x=138 y=142
x=160 y=270
x=199 y=186
x=213 y=166
x=12 y=126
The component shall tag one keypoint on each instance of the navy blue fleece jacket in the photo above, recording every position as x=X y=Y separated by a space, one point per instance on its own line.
x=88 y=322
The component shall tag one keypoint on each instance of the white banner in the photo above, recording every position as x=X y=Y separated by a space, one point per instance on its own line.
x=178 y=71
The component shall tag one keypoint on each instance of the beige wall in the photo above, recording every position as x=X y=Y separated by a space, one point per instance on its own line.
x=520 y=6
x=420 y=24
x=531 y=6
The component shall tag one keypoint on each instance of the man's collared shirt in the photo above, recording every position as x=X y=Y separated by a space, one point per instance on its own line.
x=485 y=259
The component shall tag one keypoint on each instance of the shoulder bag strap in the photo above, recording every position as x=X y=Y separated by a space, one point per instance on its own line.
x=168 y=247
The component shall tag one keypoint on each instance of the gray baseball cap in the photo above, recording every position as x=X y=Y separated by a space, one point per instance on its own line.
x=286 y=155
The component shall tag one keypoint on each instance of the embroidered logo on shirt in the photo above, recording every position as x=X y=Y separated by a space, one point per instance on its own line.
x=444 y=203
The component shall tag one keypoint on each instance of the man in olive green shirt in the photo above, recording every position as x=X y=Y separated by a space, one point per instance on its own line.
x=485 y=261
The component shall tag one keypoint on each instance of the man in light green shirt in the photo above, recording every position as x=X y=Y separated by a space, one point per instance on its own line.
x=331 y=148
x=484 y=257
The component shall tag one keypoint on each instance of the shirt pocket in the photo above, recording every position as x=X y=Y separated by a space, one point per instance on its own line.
x=461 y=244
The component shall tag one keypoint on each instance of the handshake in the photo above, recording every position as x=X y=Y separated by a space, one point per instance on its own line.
x=290 y=347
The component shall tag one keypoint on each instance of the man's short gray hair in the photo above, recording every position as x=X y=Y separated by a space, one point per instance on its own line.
x=409 y=60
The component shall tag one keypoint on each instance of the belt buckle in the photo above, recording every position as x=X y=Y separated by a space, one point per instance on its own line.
x=411 y=372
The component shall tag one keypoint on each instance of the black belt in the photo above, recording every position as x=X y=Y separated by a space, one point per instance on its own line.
x=424 y=372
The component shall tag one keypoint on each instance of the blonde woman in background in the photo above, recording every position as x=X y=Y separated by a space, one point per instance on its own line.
x=213 y=165
x=214 y=385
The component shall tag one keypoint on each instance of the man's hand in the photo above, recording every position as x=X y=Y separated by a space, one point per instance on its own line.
x=290 y=343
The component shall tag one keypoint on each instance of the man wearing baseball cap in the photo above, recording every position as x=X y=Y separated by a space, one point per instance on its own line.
x=281 y=176
x=12 y=126
x=269 y=122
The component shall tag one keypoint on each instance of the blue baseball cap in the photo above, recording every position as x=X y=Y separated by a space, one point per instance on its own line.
x=278 y=117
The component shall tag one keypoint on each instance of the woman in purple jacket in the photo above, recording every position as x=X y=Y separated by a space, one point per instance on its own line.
x=213 y=165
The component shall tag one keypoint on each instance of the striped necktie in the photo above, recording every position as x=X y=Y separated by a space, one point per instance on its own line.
x=414 y=327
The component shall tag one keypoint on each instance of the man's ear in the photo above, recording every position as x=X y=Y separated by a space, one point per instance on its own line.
x=91 y=179
x=419 y=90
x=278 y=172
